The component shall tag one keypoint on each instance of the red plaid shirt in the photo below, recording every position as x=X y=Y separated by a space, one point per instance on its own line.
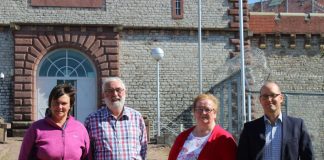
x=110 y=138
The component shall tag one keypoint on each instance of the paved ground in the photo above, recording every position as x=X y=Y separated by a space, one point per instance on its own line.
x=158 y=152
x=10 y=150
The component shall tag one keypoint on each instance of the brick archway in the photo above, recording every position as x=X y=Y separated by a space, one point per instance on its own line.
x=32 y=43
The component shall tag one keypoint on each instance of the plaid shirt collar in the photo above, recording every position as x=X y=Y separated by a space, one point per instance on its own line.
x=108 y=115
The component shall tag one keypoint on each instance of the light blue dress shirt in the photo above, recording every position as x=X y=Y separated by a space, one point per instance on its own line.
x=273 y=133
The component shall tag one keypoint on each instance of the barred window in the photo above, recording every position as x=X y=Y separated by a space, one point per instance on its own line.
x=177 y=9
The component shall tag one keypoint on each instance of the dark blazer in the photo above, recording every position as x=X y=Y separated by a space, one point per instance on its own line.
x=296 y=142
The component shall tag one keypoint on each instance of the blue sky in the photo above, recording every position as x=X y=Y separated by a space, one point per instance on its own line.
x=252 y=1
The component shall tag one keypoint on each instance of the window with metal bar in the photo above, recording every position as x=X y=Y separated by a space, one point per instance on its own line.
x=177 y=9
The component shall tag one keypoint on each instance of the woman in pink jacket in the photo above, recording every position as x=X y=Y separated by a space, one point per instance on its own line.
x=58 y=136
x=206 y=140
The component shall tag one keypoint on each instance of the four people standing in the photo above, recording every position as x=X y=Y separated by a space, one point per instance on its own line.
x=274 y=136
x=116 y=131
x=206 y=140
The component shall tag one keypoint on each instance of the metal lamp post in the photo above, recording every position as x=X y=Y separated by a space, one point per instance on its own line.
x=157 y=54
x=242 y=58
x=199 y=47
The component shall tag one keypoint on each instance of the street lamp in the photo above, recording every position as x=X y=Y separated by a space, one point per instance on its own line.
x=157 y=54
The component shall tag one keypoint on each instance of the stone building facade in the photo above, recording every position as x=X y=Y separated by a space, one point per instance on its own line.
x=116 y=37
x=288 y=48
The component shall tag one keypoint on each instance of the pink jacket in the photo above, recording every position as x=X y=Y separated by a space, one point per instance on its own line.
x=45 y=140
x=220 y=145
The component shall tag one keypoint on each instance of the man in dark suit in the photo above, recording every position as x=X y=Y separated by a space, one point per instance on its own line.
x=274 y=136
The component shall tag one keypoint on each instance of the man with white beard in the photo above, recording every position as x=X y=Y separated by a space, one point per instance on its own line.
x=116 y=131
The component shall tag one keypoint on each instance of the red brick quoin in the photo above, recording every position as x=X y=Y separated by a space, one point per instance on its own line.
x=286 y=23
x=67 y=3
x=32 y=43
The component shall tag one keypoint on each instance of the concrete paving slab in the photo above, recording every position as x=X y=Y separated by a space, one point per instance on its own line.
x=10 y=150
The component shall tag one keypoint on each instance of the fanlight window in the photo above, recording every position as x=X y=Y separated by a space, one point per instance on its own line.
x=66 y=63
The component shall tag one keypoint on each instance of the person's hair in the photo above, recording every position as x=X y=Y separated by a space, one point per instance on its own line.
x=268 y=82
x=60 y=90
x=208 y=96
x=105 y=81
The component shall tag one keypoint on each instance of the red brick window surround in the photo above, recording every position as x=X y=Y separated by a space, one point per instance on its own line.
x=177 y=9
x=33 y=43
x=67 y=3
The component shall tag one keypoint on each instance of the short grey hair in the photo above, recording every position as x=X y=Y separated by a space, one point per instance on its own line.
x=111 y=79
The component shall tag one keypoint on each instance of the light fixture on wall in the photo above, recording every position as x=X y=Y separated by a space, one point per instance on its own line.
x=2 y=76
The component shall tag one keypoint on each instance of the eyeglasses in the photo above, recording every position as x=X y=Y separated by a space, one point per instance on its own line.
x=272 y=96
x=202 y=110
x=113 y=90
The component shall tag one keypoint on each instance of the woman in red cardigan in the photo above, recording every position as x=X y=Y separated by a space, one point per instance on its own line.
x=206 y=140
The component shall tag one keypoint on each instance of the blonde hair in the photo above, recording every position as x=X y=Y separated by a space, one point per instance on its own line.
x=208 y=96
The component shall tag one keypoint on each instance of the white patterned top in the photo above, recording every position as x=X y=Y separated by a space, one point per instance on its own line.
x=192 y=147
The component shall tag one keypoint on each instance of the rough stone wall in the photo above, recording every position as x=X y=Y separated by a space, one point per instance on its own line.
x=116 y=12
x=178 y=69
x=6 y=67
x=141 y=14
x=297 y=70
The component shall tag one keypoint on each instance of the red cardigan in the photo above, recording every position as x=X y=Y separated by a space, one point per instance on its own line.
x=220 y=145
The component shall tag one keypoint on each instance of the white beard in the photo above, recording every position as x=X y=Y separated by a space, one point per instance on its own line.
x=115 y=105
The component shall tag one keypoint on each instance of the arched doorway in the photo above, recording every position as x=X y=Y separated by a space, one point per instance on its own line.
x=67 y=66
